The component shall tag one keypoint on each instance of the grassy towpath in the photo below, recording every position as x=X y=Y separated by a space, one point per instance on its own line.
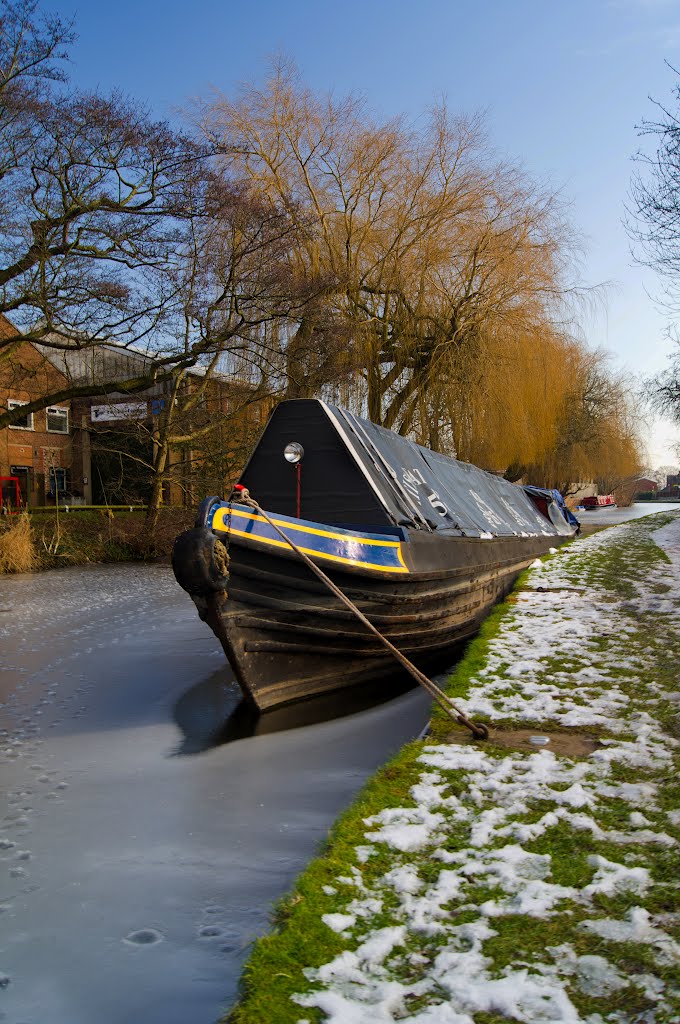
x=480 y=883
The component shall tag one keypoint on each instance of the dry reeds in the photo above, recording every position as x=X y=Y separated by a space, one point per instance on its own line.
x=17 y=548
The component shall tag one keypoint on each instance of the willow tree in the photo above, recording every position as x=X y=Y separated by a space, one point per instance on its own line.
x=445 y=274
x=427 y=246
x=489 y=321
x=597 y=425
x=507 y=417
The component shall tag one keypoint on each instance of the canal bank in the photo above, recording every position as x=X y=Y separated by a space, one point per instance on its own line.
x=532 y=877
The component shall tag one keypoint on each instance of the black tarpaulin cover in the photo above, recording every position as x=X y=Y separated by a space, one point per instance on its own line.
x=356 y=473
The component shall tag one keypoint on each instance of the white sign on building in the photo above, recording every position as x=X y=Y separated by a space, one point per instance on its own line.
x=118 y=411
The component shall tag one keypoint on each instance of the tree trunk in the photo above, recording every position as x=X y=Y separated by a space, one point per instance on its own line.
x=155 y=501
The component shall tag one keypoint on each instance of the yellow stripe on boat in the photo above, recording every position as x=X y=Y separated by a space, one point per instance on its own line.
x=391 y=548
x=222 y=513
x=323 y=554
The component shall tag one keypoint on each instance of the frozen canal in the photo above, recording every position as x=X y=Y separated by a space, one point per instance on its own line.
x=614 y=516
x=139 y=857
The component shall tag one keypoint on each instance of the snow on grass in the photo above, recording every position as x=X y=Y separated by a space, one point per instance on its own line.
x=520 y=885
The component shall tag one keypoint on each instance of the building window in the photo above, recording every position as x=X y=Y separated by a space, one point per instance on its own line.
x=26 y=422
x=57 y=420
x=57 y=481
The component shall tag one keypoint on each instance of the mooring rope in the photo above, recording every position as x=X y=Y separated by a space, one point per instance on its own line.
x=446 y=704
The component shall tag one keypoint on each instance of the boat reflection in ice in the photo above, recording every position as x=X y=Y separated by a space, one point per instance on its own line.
x=213 y=712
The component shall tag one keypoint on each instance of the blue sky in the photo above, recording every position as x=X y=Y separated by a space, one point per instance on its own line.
x=563 y=85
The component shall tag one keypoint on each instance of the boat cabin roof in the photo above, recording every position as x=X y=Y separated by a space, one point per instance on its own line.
x=355 y=473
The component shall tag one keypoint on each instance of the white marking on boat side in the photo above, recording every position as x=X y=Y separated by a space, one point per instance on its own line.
x=338 y=426
x=391 y=475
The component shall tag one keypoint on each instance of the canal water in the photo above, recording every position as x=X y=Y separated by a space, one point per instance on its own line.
x=613 y=516
x=146 y=823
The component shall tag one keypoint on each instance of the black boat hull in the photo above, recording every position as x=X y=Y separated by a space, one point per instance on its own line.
x=288 y=637
x=422 y=544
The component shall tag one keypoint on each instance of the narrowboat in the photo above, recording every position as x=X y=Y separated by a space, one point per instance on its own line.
x=422 y=544
x=599 y=501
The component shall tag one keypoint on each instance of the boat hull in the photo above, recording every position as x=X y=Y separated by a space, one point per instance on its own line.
x=289 y=638
x=422 y=544
x=599 y=501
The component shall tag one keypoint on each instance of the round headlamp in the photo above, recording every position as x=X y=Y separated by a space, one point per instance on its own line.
x=293 y=452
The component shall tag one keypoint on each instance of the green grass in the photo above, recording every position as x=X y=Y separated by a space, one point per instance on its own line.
x=300 y=938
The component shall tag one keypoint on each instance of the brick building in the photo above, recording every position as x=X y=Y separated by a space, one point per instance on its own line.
x=99 y=450
x=645 y=485
x=38 y=449
x=672 y=488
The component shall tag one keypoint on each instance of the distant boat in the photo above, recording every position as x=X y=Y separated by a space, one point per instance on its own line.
x=551 y=504
x=422 y=544
x=599 y=501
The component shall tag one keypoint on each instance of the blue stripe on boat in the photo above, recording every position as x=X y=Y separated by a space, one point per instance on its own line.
x=346 y=547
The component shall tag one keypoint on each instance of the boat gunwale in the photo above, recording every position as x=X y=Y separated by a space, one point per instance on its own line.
x=410 y=577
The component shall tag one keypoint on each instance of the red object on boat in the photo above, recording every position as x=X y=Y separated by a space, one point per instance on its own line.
x=599 y=501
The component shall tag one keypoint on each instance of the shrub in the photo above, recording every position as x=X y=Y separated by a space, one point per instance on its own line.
x=17 y=548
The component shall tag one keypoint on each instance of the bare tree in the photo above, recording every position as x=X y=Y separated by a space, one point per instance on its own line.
x=235 y=289
x=663 y=390
x=653 y=224
x=92 y=202
x=296 y=242
x=653 y=215
x=118 y=231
